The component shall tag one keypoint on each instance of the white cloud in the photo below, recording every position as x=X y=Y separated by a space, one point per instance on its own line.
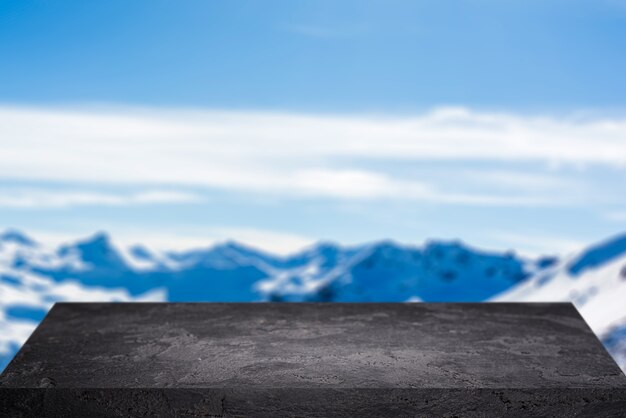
x=37 y=198
x=296 y=154
x=519 y=180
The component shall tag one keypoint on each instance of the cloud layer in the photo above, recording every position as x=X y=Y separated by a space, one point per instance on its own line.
x=299 y=155
x=36 y=198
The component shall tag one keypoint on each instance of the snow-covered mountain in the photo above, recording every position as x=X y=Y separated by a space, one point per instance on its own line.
x=33 y=276
x=595 y=281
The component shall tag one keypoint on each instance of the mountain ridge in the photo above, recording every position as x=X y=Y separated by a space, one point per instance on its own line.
x=33 y=276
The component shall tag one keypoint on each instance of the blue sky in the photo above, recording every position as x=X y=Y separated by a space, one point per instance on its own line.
x=278 y=123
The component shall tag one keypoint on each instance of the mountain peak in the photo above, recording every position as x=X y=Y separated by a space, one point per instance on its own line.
x=320 y=247
x=99 y=238
x=98 y=242
x=17 y=237
x=437 y=244
x=97 y=250
x=599 y=254
x=236 y=246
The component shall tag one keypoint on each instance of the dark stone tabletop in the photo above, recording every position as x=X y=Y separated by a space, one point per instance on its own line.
x=228 y=359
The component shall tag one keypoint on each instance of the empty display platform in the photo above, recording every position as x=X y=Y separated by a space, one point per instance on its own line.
x=310 y=359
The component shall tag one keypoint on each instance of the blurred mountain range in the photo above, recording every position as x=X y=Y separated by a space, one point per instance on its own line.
x=33 y=276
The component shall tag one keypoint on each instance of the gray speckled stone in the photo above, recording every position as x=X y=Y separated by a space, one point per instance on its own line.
x=214 y=359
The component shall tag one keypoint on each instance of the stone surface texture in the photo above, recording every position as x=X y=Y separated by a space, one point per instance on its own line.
x=310 y=359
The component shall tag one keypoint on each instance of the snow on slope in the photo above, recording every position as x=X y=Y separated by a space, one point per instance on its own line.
x=25 y=296
x=600 y=294
x=595 y=281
